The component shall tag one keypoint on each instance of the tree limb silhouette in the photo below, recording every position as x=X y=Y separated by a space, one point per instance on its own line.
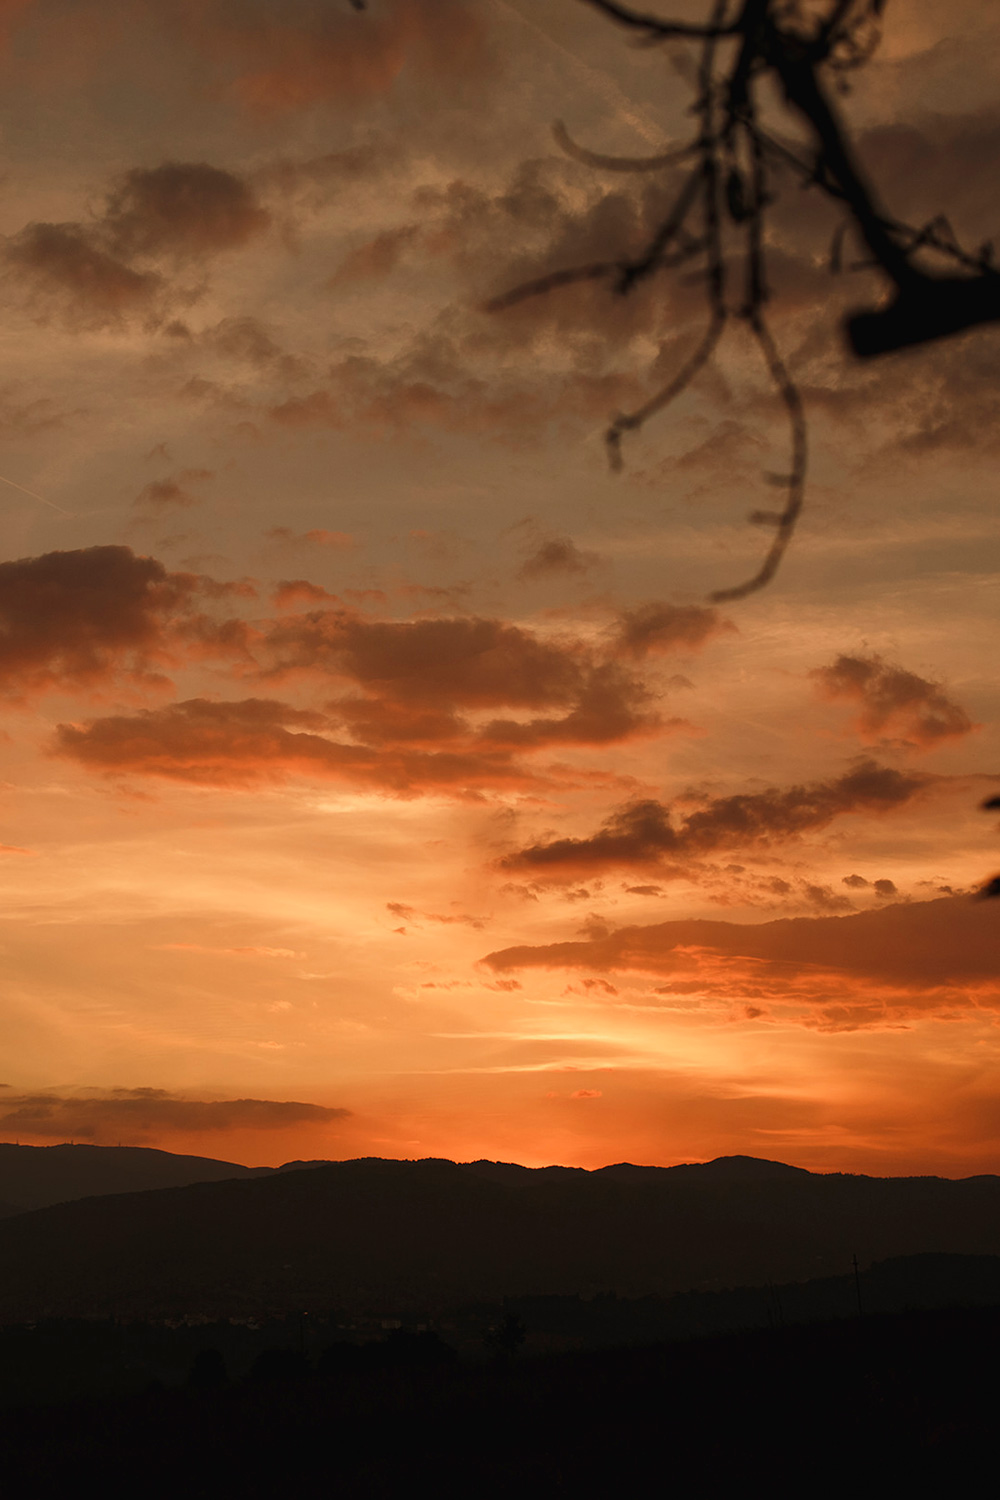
x=729 y=186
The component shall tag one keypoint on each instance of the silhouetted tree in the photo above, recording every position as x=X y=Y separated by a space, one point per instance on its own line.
x=504 y=1339
x=208 y=1371
x=279 y=1366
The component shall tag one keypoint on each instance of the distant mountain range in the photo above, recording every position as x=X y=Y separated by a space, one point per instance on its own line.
x=36 y=1176
x=406 y=1238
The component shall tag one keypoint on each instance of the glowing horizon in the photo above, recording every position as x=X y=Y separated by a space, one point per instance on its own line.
x=377 y=777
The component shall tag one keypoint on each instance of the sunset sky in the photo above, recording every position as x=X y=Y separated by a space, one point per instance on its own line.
x=377 y=776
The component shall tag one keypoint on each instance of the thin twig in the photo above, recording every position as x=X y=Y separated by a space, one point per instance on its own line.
x=653 y=24
x=631 y=421
x=621 y=163
x=730 y=174
x=786 y=519
x=550 y=283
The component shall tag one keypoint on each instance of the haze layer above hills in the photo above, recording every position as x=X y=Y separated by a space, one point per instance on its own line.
x=410 y=1237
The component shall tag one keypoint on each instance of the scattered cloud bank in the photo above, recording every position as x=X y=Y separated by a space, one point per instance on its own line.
x=141 y=1112
x=642 y=834
x=455 y=702
x=124 y=263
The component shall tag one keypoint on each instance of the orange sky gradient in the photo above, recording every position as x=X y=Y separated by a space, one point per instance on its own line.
x=376 y=777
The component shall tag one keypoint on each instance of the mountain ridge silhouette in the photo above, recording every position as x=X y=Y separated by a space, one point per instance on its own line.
x=404 y=1236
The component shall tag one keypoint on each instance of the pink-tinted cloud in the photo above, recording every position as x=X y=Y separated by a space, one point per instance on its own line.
x=893 y=702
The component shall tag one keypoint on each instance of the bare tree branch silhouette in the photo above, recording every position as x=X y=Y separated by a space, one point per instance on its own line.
x=803 y=46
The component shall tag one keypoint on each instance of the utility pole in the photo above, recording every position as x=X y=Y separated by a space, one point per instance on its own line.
x=857 y=1287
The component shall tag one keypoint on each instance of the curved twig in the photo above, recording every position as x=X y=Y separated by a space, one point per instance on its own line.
x=659 y=28
x=786 y=519
x=729 y=182
x=550 y=283
x=636 y=270
x=631 y=421
x=621 y=163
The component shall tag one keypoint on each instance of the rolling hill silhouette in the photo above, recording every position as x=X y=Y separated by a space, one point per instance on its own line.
x=35 y=1176
x=405 y=1237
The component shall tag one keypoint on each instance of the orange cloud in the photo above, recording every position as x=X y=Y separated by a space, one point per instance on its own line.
x=376 y=257
x=246 y=743
x=419 y=673
x=893 y=701
x=480 y=663
x=212 y=743
x=870 y=968
x=435 y=701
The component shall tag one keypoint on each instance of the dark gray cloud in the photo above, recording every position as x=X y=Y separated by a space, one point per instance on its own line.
x=661 y=627
x=893 y=702
x=65 y=268
x=109 y=270
x=143 y=1112
x=643 y=833
x=70 y=619
x=181 y=208
x=559 y=554
x=174 y=490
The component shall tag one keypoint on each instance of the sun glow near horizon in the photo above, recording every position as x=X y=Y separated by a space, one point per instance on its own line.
x=376 y=777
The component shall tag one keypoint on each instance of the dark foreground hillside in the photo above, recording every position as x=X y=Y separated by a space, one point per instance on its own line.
x=64 y=1359
x=873 y=1405
x=406 y=1237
